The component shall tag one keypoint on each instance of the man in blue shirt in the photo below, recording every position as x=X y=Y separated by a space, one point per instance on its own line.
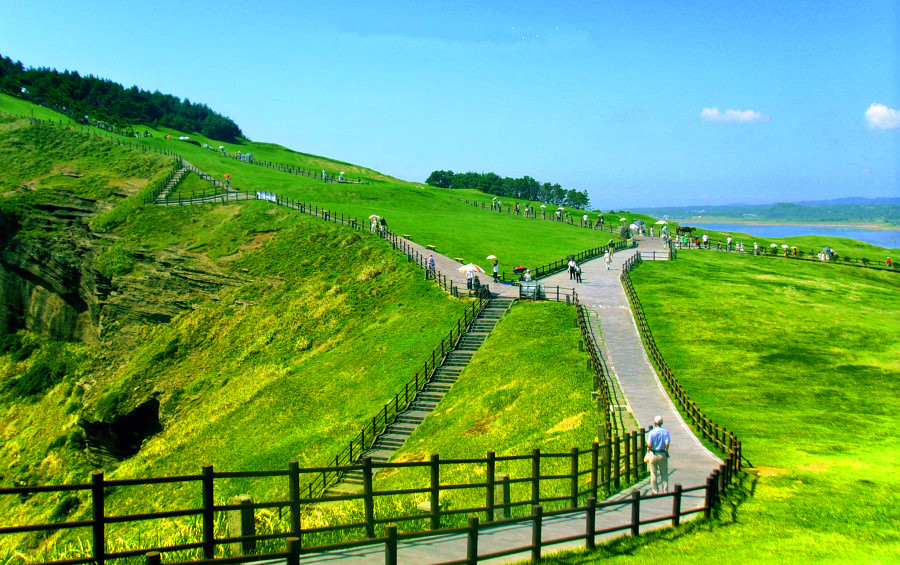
x=658 y=448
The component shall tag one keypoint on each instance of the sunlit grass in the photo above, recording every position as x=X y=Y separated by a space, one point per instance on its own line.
x=801 y=361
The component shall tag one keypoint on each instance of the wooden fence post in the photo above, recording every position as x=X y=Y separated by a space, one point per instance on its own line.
x=643 y=449
x=708 y=498
x=536 y=477
x=538 y=522
x=616 y=462
x=209 y=542
x=505 y=510
x=99 y=524
x=152 y=558
x=636 y=460
x=390 y=544
x=627 y=439
x=435 y=491
x=636 y=512
x=242 y=523
x=595 y=453
x=590 y=521
x=293 y=551
x=676 y=506
x=573 y=485
x=491 y=486
x=606 y=468
x=294 y=495
x=368 y=499
x=472 y=540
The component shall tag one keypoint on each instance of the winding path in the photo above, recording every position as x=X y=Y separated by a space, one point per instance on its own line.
x=600 y=292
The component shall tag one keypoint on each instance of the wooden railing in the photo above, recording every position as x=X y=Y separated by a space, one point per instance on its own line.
x=402 y=399
x=560 y=481
x=601 y=379
x=719 y=436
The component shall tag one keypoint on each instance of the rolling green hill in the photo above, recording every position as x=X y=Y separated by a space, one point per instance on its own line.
x=259 y=335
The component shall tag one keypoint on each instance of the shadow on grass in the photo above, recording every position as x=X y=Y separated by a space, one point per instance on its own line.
x=723 y=516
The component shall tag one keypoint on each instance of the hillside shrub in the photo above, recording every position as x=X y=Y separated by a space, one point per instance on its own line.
x=115 y=262
x=47 y=369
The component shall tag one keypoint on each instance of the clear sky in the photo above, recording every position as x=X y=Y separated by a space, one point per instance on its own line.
x=641 y=103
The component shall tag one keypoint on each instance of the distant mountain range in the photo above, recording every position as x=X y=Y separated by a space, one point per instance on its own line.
x=843 y=210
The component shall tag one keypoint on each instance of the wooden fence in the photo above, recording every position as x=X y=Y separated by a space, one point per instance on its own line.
x=402 y=399
x=601 y=379
x=718 y=435
x=560 y=481
x=570 y=221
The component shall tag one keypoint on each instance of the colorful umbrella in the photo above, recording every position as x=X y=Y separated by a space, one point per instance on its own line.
x=470 y=267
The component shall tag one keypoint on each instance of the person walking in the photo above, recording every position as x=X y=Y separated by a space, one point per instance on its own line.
x=496 y=269
x=658 y=441
x=431 y=263
x=469 y=279
x=607 y=257
x=578 y=273
x=572 y=266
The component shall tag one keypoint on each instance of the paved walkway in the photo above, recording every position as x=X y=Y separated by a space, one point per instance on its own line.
x=601 y=292
x=690 y=465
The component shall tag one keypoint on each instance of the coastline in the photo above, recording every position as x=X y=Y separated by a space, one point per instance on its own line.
x=850 y=225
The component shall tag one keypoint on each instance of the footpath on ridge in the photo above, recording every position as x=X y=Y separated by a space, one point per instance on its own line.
x=690 y=465
x=602 y=294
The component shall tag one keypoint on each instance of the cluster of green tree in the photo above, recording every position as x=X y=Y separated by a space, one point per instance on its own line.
x=101 y=100
x=525 y=188
x=885 y=211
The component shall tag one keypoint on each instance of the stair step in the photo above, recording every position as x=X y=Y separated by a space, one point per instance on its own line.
x=428 y=398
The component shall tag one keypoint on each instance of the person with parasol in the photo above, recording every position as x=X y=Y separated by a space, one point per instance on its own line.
x=496 y=263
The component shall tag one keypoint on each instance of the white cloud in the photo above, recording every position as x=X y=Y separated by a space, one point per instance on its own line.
x=881 y=117
x=729 y=116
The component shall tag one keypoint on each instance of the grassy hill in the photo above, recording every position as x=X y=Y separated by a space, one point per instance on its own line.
x=265 y=335
x=801 y=361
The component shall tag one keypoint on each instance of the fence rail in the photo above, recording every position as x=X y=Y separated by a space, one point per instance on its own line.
x=561 y=481
x=718 y=435
x=601 y=379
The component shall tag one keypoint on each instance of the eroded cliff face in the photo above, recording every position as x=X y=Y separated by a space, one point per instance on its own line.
x=46 y=283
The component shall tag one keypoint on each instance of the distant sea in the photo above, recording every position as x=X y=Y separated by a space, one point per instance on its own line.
x=881 y=238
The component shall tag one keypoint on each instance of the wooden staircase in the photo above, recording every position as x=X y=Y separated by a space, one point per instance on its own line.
x=427 y=400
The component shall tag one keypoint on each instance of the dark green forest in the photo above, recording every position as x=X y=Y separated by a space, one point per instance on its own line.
x=91 y=100
x=525 y=188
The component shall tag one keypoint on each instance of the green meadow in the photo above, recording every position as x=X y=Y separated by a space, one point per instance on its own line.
x=801 y=361
x=321 y=325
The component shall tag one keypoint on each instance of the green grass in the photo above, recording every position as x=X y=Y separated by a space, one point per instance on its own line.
x=529 y=365
x=805 y=370
x=249 y=380
x=289 y=365
x=528 y=387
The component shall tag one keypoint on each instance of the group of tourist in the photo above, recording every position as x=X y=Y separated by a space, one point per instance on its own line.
x=560 y=215
x=377 y=224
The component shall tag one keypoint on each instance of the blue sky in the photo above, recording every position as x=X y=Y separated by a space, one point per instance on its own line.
x=641 y=103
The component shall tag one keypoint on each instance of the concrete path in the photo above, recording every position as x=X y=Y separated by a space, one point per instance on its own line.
x=690 y=465
x=601 y=291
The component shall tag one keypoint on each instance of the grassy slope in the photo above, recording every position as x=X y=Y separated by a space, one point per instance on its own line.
x=806 y=372
x=443 y=225
x=527 y=387
x=286 y=366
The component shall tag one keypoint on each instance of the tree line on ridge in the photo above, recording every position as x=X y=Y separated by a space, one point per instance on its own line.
x=525 y=188
x=90 y=99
